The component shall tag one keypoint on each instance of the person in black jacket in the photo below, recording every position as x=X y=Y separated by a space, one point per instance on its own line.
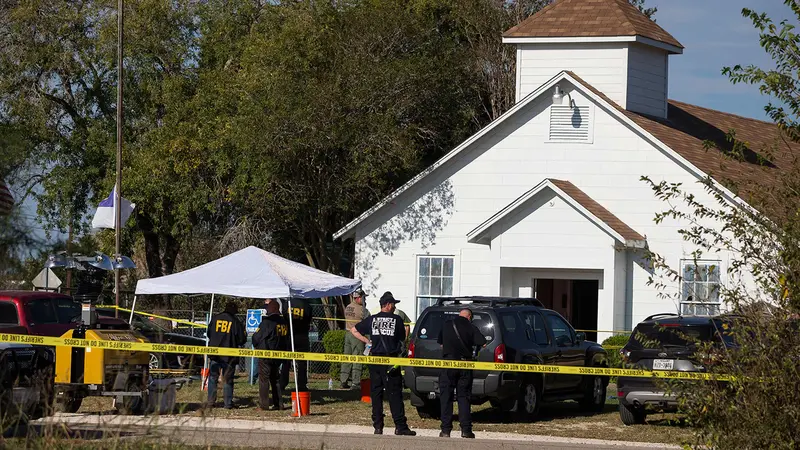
x=224 y=330
x=271 y=335
x=458 y=338
x=387 y=333
x=301 y=324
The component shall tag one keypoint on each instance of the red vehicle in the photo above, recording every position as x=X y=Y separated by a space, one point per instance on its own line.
x=46 y=313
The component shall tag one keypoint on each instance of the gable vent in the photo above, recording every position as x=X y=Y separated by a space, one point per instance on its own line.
x=569 y=123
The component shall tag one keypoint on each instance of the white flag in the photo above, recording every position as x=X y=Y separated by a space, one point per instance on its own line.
x=105 y=215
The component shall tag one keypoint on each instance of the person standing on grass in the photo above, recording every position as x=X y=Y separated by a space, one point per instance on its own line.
x=387 y=333
x=301 y=325
x=458 y=337
x=271 y=335
x=354 y=313
x=224 y=330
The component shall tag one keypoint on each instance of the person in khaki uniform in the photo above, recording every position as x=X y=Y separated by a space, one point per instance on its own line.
x=354 y=313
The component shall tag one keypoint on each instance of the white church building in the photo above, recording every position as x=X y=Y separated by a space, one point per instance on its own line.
x=548 y=200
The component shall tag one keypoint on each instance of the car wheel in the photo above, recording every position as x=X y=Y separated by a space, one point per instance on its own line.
x=594 y=394
x=155 y=361
x=630 y=415
x=530 y=399
x=431 y=410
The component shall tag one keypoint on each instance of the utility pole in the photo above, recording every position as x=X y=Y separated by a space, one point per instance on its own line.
x=118 y=190
x=69 y=271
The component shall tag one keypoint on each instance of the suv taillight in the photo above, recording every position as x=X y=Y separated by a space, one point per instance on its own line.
x=500 y=353
x=410 y=349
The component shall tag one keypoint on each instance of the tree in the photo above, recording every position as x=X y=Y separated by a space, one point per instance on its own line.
x=758 y=407
x=57 y=86
x=782 y=82
x=649 y=12
x=346 y=104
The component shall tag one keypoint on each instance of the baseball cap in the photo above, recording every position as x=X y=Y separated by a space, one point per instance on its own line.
x=359 y=293
x=387 y=298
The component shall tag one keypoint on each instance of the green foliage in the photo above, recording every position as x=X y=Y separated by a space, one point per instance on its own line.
x=780 y=83
x=649 y=12
x=334 y=343
x=618 y=340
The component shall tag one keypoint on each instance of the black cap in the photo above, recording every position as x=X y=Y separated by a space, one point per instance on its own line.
x=359 y=293
x=387 y=298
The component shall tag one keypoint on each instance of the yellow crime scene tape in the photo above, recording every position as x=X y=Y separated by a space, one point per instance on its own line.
x=336 y=358
x=181 y=321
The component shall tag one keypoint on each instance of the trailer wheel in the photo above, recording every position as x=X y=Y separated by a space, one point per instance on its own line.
x=129 y=404
x=68 y=403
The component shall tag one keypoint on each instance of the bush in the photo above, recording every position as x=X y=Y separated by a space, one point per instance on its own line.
x=334 y=344
x=618 y=340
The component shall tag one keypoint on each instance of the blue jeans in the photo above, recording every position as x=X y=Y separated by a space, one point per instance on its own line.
x=228 y=371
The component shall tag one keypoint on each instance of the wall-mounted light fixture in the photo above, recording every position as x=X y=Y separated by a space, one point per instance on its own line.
x=558 y=96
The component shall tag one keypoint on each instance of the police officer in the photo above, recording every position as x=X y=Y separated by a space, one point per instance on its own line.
x=224 y=330
x=301 y=324
x=458 y=338
x=387 y=333
x=271 y=335
x=354 y=313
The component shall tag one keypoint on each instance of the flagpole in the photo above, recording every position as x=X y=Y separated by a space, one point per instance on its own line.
x=118 y=190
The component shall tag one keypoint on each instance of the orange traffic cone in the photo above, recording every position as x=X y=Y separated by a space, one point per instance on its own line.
x=365 y=387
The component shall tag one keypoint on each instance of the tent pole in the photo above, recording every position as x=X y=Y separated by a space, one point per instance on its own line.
x=133 y=308
x=294 y=361
x=205 y=357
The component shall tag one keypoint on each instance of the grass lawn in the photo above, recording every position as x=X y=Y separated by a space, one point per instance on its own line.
x=344 y=407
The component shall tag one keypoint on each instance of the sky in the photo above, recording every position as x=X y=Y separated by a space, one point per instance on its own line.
x=714 y=35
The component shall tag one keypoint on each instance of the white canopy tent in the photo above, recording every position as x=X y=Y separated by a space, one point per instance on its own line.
x=254 y=273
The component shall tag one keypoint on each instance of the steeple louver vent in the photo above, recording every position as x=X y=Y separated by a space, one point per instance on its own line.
x=570 y=123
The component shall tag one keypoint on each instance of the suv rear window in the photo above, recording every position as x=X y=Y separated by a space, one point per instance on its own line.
x=656 y=335
x=431 y=324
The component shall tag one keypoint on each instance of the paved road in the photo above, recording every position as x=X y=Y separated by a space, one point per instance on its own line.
x=298 y=435
x=335 y=441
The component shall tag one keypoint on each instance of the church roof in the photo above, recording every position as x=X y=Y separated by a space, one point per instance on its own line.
x=591 y=18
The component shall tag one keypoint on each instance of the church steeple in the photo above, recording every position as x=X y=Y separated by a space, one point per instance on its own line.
x=608 y=43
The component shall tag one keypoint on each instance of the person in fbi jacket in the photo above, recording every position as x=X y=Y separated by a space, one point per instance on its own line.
x=271 y=335
x=224 y=330
x=459 y=339
x=388 y=333
x=301 y=324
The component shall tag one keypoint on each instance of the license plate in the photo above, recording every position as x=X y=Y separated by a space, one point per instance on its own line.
x=663 y=364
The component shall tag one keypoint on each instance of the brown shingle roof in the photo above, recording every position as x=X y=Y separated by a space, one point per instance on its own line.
x=688 y=128
x=598 y=210
x=591 y=18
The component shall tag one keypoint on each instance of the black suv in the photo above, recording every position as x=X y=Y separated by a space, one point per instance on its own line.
x=517 y=330
x=666 y=342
